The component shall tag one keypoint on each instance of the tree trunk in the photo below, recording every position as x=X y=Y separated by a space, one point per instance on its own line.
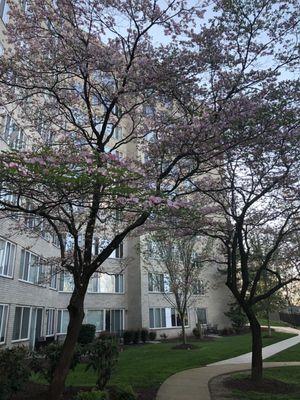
x=269 y=325
x=183 y=333
x=76 y=314
x=257 y=362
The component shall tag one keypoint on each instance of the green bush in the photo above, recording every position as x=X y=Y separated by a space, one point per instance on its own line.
x=144 y=335
x=86 y=334
x=136 y=336
x=14 y=371
x=102 y=357
x=93 y=395
x=107 y=335
x=237 y=316
x=152 y=335
x=128 y=337
x=121 y=393
x=48 y=359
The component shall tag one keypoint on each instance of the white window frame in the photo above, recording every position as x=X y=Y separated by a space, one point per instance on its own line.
x=3 y=324
x=62 y=312
x=39 y=273
x=11 y=261
x=50 y=312
x=4 y=9
x=21 y=324
x=96 y=278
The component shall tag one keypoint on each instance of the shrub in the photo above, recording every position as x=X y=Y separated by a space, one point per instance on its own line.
x=152 y=335
x=102 y=357
x=237 y=316
x=86 y=334
x=14 y=371
x=128 y=337
x=136 y=336
x=50 y=357
x=196 y=332
x=93 y=395
x=163 y=336
x=144 y=335
x=227 y=331
x=107 y=335
x=121 y=393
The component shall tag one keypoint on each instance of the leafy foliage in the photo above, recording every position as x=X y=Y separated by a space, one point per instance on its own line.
x=103 y=355
x=14 y=371
x=86 y=334
x=48 y=358
x=237 y=317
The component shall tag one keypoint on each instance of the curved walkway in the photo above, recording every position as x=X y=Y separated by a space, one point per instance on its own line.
x=192 y=384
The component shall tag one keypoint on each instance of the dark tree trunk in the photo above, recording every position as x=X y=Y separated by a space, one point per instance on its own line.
x=269 y=324
x=183 y=332
x=257 y=361
x=76 y=314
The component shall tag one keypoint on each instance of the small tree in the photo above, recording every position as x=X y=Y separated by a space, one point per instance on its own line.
x=180 y=261
x=103 y=355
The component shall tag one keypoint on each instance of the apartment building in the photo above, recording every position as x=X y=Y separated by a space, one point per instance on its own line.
x=33 y=301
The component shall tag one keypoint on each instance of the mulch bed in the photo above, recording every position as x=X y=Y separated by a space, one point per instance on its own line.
x=271 y=386
x=187 y=346
x=221 y=387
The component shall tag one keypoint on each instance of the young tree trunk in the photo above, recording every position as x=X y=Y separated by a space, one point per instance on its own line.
x=76 y=314
x=183 y=332
x=269 y=324
x=257 y=362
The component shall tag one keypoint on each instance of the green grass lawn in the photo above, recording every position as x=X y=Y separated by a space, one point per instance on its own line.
x=290 y=375
x=291 y=354
x=149 y=365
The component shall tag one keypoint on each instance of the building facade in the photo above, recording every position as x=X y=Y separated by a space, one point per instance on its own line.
x=33 y=307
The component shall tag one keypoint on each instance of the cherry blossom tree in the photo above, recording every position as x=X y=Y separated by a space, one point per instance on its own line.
x=91 y=88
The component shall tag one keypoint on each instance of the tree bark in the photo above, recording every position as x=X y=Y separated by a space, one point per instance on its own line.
x=76 y=315
x=269 y=325
x=183 y=332
x=257 y=361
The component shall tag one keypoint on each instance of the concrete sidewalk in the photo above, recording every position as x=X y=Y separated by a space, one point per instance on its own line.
x=268 y=351
x=192 y=384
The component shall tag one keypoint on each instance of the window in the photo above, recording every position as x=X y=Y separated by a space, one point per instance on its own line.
x=176 y=320
x=13 y=135
x=66 y=282
x=198 y=287
x=118 y=252
x=104 y=283
x=4 y=9
x=96 y=317
x=165 y=318
x=21 y=323
x=201 y=315
x=7 y=257
x=53 y=278
x=50 y=315
x=3 y=321
x=1 y=49
x=156 y=282
x=157 y=317
x=62 y=321
x=30 y=269
x=108 y=320
x=118 y=133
